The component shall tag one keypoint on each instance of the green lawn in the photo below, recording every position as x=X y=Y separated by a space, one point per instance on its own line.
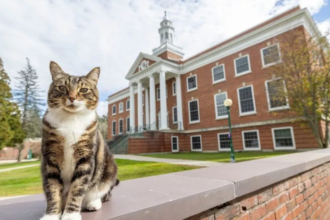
x=28 y=181
x=12 y=165
x=219 y=157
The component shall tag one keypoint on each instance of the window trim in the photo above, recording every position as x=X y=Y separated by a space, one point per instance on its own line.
x=243 y=140
x=262 y=56
x=199 y=117
x=122 y=109
x=239 y=102
x=219 y=145
x=268 y=100
x=114 y=133
x=128 y=109
x=193 y=89
x=224 y=74
x=128 y=129
x=174 y=122
x=215 y=106
x=246 y=72
x=292 y=136
x=114 y=105
x=119 y=126
x=191 y=144
x=177 y=141
x=173 y=83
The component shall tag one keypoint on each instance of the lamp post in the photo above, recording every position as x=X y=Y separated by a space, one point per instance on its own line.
x=228 y=103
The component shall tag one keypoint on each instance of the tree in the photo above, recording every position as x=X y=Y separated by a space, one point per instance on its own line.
x=304 y=67
x=28 y=96
x=11 y=131
x=103 y=125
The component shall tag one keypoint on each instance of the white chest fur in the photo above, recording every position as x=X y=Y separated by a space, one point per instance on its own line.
x=71 y=126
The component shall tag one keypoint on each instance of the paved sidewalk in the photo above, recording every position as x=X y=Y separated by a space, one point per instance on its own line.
x=163 y=160
x=16 y=168
x=14 y=161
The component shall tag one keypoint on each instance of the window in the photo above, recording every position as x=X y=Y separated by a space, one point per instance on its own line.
x=196 y=143
x=175 y=144
x=113 y=127
x=114 y=109
x=128 y=125
x=162 y=36
x=193 y=111
x=242 y=65
x=158 y=94
x=224 y=141
x=121 y=126
x=175 y=115
x=283 y=138
x=173 y=88
x=192 y=83
x=128 y=105
x=246 y=101
x=218 y=73
x=275 y=94
x=220 y=108
x=166 y=35
x=142 y=99
x=121 y=107
x=171 y=40
x=270 y=55
x=251 y=140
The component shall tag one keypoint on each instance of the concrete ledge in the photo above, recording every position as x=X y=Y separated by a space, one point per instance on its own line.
x=183 y=194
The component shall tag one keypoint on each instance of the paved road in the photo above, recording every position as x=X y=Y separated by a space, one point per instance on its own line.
x=163 y=160
x=16 y=168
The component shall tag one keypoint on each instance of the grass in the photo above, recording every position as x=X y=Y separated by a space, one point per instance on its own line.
x=219 y=157
x=12 y=165
x=28 y=180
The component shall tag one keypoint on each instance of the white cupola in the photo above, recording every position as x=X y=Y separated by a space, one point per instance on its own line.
x=166 y=30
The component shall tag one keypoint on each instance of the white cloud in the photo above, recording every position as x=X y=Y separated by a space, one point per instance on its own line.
x=325 y=27
x=80 y=35
x=102 y=108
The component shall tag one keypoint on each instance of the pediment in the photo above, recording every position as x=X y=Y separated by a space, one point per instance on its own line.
x=142 y=62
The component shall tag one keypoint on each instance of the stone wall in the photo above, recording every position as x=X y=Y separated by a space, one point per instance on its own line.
x=305 y=196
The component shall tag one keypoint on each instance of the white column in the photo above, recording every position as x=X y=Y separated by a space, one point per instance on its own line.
x=179 y=102
x=132 y=109
x=152 y=103
x=140 y=107
x=146 y=105
x=163 y=101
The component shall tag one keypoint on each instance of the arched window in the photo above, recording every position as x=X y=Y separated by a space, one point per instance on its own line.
x=171 y=39
x=166 y=36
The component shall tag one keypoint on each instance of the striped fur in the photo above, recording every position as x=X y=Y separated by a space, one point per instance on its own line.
x=78 y=171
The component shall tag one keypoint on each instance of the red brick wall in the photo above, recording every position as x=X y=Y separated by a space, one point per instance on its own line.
x=169 y=55
x=302 y=197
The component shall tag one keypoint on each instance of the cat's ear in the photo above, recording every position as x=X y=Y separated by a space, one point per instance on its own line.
x=94 y=74
x=56 y=70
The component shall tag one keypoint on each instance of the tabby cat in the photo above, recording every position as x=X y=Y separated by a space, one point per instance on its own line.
x=78 y=171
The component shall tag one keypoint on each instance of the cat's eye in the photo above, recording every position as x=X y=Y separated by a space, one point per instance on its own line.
x=83 y=90
x=62 y=88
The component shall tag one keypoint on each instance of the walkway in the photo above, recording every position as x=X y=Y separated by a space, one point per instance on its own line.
x=16 y=168
x=163 y=160
x=14 y=161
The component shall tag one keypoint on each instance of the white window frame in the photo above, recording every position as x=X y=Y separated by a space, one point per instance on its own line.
x=262 y=56
x=246 y=72
x=292 y=135
x=219 y=145
x=199 y=116
x=113 y=133
x=239 y=102
x=191 y=144
x=128 y=129
x=122 y=107
x=112 y=109
x=174 y=122
x=268 y=100
x=158 y=92
x=177 y=141
x=224 y=74
x=173 y=88
x=119 y=126
x=216 y=109
x=193 y=89
x=243 y=139
x=127 y=109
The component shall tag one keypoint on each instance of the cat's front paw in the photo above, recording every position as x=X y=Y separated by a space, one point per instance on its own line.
x=71 y=216
x=50 y=217
x=94 y=205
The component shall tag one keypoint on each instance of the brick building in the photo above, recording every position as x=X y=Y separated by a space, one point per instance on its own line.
x=176 y=104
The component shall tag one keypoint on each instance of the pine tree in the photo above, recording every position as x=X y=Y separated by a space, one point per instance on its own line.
x=28 y=96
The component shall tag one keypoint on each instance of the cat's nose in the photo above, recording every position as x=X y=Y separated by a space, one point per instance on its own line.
x=71 y=99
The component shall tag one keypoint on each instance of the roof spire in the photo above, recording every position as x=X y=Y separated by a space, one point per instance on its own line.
x=165 y=16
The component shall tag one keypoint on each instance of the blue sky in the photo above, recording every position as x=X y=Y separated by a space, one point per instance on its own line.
x=80 y=35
